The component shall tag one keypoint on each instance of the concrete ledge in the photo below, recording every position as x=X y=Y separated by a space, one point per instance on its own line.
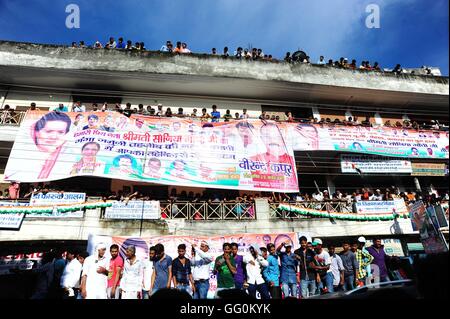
x=61 y=57
x=51 y=229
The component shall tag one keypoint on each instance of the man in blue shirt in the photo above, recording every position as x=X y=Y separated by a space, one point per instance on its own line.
x=120 y=44
x=215 y=114
x=162 y=270
x=62 y=108
x=272 y=272
x=289 y=265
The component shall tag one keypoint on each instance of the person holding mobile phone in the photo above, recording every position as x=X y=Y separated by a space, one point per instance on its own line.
x=225 y=267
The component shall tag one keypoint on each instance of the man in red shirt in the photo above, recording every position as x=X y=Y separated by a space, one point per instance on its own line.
x=115 y=271
x=14 y=190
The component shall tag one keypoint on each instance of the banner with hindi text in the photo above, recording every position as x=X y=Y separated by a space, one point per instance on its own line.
x=386 y=141
x=246 y=155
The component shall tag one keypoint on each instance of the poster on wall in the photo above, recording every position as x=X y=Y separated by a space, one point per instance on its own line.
x=429 y=169
x=11 y=221
x=373 y=164
x=134 y=209
x=368 y=207
x=54 y=199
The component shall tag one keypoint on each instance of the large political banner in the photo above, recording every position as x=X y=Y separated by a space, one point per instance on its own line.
x=247 y=155
x=384 y=141
x=431 y=237
x=171 y=243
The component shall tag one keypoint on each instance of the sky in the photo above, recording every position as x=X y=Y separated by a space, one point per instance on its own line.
x=412 y=32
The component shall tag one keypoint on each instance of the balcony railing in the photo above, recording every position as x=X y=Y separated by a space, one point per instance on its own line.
x=329 y=206
x=208 y=210
x=11 y=118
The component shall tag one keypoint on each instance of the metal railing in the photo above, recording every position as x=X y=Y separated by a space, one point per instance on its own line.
x=11 y=117
x=329 y=206
x=208 y=210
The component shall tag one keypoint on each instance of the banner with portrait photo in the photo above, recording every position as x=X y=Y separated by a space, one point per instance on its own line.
x=171 y=243
x=245 y=155
x=431 y=237
x=386 y=141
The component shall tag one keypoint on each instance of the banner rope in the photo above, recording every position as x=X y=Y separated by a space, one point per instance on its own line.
x=341 y=216
x=63 y=208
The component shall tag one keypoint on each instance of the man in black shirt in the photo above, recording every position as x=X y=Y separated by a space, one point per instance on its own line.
x=127 y=111
x=308 y=275
x=181 y=271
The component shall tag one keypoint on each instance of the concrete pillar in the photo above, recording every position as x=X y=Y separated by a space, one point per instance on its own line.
x=262 y=209
x=330 y=185
x=417 y=184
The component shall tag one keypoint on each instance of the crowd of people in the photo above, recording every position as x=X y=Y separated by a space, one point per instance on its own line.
x=217 y=115
x=367 y=194
x=403 y=124
x=253 y=54
x=268 y=271
x=18 y=191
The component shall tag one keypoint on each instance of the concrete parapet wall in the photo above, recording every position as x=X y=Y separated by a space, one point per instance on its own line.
x=79 y=229
x=59 y=57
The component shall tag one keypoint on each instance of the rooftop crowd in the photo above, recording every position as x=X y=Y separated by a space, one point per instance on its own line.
x=249 y=54
x=275 y=272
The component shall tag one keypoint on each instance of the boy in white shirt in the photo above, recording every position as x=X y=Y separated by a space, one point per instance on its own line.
x=254 y=266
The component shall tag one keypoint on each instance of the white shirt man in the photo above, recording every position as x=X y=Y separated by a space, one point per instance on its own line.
x=148 y=272
x=376 y=196
x=244 y=115
x=132 y=276
x=254 y=267
x=200 y=268
x=70 y=278
x=79 y=108
x=336 y=268
x=95 y=274
x=201 y=264
x=318 y=196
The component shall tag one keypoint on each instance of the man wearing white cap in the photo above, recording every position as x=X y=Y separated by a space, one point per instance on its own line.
x=94 y=279
x=322 y=266
x=200 y=262
x=254 y=264
x=364 y=260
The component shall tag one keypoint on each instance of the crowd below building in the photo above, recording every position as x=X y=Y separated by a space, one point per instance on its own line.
x=272 y=272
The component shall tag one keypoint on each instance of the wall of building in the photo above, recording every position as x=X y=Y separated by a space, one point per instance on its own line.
x=48 y=229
